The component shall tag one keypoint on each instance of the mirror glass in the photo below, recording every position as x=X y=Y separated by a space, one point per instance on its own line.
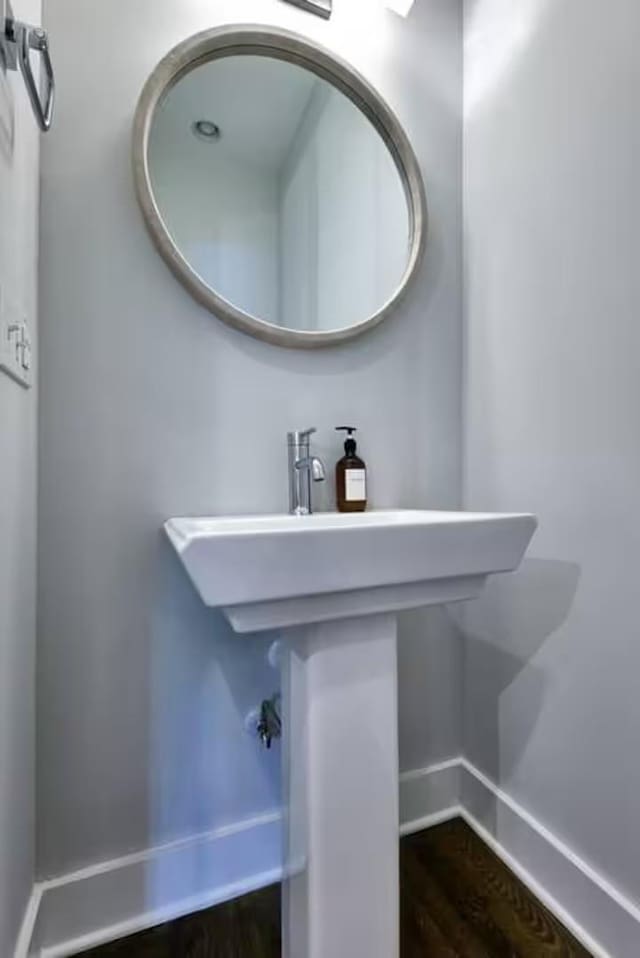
x=279 y=193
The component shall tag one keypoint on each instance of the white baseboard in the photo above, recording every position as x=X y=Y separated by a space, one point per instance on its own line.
x=118 y=898
x=604 y=920
x=25 y=937
x=111 y=900
x=429 y=796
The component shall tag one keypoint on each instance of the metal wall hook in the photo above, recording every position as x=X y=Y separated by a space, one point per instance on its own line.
x=17 y=40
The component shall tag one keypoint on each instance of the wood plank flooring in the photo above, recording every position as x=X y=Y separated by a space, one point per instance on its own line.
x=457 y=901
x=460 y=901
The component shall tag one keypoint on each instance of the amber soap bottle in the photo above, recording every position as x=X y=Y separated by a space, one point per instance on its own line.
x=351 y=476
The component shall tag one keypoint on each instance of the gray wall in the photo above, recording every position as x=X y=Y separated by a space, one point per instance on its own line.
x=344 y=220
x=18 y=274
x=552 y=206
x=152 y=408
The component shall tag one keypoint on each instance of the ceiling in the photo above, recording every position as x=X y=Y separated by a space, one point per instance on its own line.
x=257 y=102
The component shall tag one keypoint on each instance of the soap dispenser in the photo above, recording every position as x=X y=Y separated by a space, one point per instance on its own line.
x=351 y=476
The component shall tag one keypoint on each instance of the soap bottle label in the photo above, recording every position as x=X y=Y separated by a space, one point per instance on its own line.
x=355 y=485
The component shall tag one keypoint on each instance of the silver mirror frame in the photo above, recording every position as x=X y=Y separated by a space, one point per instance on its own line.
x=284 y=45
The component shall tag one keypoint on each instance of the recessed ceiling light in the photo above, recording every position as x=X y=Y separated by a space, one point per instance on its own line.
x=206 y=130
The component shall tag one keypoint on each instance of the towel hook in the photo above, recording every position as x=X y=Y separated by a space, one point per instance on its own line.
x=17 y=40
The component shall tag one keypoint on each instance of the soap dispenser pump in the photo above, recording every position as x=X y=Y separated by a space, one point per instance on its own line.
x=351 y=476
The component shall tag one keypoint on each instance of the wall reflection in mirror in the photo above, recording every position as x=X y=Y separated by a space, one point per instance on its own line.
x=279 y=193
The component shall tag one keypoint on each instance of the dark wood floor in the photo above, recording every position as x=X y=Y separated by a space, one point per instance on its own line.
x=458 y=901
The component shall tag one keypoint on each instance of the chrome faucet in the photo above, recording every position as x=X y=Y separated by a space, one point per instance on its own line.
x=303 y=467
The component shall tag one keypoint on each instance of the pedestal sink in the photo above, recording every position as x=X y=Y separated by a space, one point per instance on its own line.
x=335 y=584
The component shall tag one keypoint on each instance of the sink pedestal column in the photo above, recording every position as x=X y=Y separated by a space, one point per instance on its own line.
x=341 y=899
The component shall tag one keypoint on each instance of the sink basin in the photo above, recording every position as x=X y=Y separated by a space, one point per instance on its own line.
x=334 y=583
x=269 y=571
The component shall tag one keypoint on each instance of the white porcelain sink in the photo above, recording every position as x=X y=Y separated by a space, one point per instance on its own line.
x=274 y=571
x=334 y=583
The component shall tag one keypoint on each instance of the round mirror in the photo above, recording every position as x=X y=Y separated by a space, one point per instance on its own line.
x=278 y=186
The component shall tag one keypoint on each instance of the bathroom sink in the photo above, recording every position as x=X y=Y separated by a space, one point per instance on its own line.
x=334 y=584
x=273 y=571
